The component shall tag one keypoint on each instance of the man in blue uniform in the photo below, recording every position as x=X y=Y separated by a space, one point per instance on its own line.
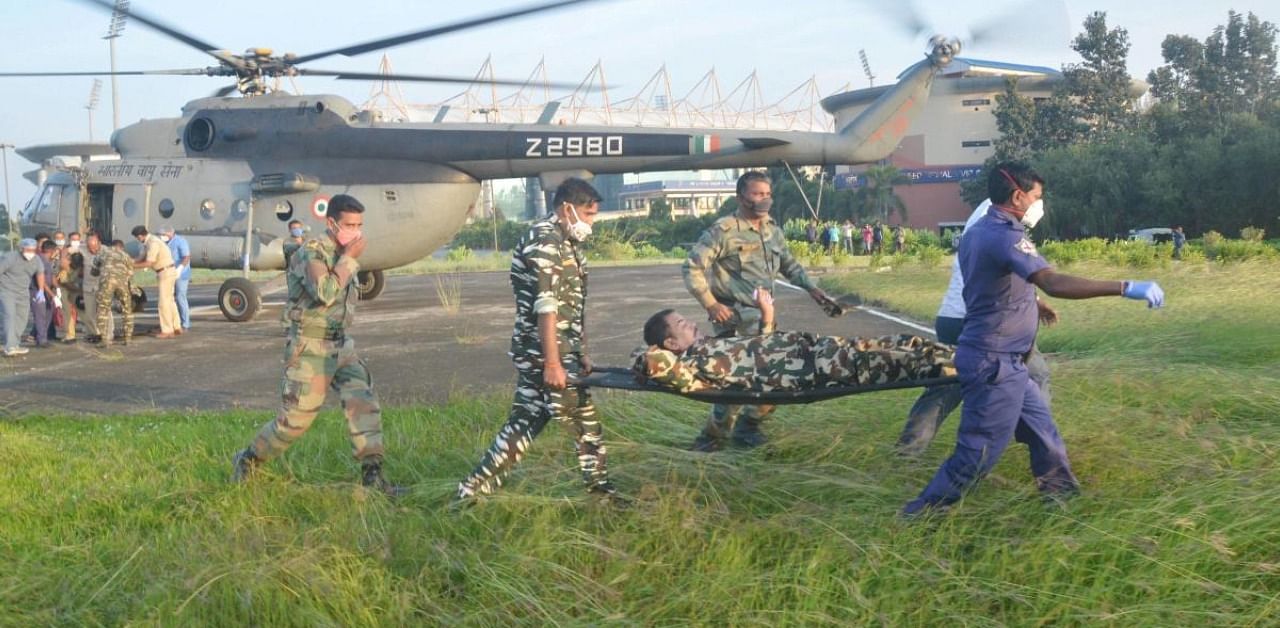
x=1001 y=271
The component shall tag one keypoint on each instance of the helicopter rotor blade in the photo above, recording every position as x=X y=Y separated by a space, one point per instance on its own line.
x=203 y=46
x=187 y=72
x=397 y=40
x=902 y=15
x=427 y=78
x=989 y=29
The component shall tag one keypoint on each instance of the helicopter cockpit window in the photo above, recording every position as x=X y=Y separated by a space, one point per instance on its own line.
x=240 y=208
x=284 y=211
x=208 y=208
x=130 y=207
x=47 y=209
x=166 y=208
x=199 y=134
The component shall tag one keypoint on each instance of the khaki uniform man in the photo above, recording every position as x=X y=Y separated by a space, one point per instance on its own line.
x=116 y=275
x=735 y=256
x=157 y=257
x=318 y=353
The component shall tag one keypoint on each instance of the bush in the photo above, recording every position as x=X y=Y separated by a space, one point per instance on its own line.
x=459 y=253
x=612 y=250
x=1253 y=234
x=840 y=256
x=479 y=235
x=799 y=249
x=1243 y=250
x=644 y=250
x=677 y=252
x=931 y=256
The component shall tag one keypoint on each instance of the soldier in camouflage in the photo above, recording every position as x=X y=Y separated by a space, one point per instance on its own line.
x=734 y=257
x=114 y=270
x=678 y=356
x=548 y=347
x=319 y=355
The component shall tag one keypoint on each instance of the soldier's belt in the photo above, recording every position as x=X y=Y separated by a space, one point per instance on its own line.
x=320 y=334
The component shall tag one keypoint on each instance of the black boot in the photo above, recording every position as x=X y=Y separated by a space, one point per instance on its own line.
x=606 y=493
x=747 y=434
x=371 y=478
x=243 y=465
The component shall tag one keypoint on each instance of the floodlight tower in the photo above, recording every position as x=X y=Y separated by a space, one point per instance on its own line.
x=866 y=67
x=118 y=18
x=92 y=105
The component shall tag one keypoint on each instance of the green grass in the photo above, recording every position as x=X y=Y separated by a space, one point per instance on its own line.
x=1171 y=418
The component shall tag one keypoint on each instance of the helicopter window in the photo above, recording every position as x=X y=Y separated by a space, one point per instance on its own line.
x=284 y=210
x=130 y=207
x=319 y=107
x=208 y=208
x=47 y=209
x=166 y=208
x=200 y=134
x=240 y=208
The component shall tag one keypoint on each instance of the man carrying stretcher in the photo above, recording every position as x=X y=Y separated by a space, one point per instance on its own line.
x=680 y=357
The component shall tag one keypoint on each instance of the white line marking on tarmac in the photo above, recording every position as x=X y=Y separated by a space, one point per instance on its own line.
x=875 y=312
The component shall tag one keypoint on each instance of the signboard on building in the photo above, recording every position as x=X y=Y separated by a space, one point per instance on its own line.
x=913 y=176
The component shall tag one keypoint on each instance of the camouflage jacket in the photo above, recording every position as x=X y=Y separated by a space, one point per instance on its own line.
x=548 y=275
x=732 y=259
x=789 y=360
x=117 y=265
x=319 y=306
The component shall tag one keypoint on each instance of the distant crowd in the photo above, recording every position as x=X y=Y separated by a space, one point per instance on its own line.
x=833 y=236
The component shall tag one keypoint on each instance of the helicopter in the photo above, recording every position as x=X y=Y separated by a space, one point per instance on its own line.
x=232 y=171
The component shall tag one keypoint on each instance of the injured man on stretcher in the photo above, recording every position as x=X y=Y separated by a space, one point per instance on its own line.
x=679 y=357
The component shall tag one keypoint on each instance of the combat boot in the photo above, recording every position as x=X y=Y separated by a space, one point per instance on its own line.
x=371 y=478
x=747 y=434
x=243 y=465
x=606 y=493
x=706 y=444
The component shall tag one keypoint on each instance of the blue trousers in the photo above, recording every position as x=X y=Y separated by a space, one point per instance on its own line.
x=14 y=312
x=41 y=318
x=1001 y=403
x=180 y=295
x=936 y=403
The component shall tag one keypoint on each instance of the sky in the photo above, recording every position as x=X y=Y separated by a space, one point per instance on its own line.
x=786 y=42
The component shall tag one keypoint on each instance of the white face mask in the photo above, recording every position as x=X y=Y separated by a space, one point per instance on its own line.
x=75 y=244
x=164 y=238
x=28 y=255
x=60 y=242
x=579 y=231
x=1033 y=214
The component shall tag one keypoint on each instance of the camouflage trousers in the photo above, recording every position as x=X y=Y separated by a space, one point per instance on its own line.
x=729 y=419
x=533 y=406
x=312 y=367
x=112 y=288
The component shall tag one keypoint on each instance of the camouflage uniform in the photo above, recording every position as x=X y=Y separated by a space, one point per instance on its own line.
x=730 y=260
x=116 y=276
x=787 y=361
x=548 y=275
x=318 y=355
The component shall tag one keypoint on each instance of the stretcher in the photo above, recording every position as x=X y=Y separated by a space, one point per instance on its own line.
x=619 y=378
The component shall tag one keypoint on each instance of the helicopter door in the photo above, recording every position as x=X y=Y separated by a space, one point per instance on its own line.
x=69 y=209
x=99 y=218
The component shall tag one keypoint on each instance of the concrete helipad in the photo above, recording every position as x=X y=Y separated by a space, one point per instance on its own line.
x=418 y=351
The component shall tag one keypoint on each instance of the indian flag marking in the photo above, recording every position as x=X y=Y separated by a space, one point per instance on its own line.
x=700 y=144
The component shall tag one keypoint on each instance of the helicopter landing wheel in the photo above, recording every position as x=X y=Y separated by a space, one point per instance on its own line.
x=239 y=299
x=370 y=284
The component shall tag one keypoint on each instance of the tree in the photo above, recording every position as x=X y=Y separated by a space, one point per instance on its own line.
x=1096 y=92
x=659 y=209
x=877 y=196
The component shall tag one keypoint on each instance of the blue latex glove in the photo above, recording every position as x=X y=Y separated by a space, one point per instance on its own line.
x=1148 y=291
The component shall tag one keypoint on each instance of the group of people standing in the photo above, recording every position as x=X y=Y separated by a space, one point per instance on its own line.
x=729 y=272
x=49 y=277
x=868 y=239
